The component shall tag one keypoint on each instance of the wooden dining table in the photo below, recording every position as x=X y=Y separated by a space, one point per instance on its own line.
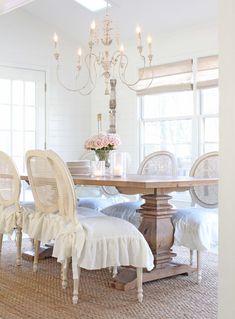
x=156 y=225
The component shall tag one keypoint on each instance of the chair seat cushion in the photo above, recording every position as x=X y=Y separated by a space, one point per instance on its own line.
x=108 y=241
x=196 y=228
x=9 y=218
x=47 y=227
x=127 y=211
x=98 y=203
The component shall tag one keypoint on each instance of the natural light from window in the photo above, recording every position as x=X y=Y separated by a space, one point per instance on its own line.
x=173 y=121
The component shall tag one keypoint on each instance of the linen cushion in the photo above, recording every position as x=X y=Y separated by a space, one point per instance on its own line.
x=107 y=241
x=196 y=228
x=127 y=211
x=8 y=216
x=100 y=203
x=46 y=227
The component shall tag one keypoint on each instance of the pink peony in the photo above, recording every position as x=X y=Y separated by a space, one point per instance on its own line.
x=103 y=141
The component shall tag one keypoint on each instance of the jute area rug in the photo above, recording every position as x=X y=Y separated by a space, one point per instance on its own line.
x=25 y=295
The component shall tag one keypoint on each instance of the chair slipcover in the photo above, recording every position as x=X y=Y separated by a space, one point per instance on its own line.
x=197 y=227
x=92 y=242
x=11 y=210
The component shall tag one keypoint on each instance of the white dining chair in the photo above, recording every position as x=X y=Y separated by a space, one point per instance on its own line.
x=197 y=227
x=11 y=210
x=94 y=241
x=159 y=163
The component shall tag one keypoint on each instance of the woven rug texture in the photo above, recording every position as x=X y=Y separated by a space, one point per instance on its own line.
x=26 y=295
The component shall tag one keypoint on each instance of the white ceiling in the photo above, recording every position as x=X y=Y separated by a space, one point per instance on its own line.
x=9 y=5
x=154 y=16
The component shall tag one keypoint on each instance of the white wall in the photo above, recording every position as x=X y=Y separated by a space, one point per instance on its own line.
x=27 y=41
x=227 y=160
x=183 y=44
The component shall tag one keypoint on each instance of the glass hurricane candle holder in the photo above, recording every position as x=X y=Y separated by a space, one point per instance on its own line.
x=118 y=161
x=97 y=168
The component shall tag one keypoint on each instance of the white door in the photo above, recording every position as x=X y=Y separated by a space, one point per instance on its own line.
x=22 y=112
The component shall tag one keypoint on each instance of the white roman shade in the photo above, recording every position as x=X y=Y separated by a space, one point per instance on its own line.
x=207 y=72
x=170 y=77
x=178 y=76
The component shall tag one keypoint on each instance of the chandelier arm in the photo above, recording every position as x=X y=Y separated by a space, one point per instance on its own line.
x=88 y=66
x=114 y=60
x=80 y=90
x=122 y=77
x=131 y=86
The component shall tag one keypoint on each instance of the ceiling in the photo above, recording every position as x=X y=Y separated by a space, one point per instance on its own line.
x=154 y=16
x=9 y=5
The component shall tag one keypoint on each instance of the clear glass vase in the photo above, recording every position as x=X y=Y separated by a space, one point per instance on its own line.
x=103 y=155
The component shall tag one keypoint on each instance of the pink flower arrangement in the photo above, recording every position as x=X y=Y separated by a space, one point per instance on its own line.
x=103 y=141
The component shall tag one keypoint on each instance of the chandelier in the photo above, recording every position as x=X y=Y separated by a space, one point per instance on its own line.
x=105 y=58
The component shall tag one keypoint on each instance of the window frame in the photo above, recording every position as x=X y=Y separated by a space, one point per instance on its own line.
x=197 y=118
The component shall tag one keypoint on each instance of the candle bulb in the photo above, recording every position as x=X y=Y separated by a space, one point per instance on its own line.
x=121 y=49
x=92 y=31
x=55 y=39
x=79 y=52
x=149 y=41
x=138 y=31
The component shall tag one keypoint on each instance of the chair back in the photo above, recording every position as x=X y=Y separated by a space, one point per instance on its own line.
x=52 y=184
x=10 y=184
x=88 y=155
x=161 y=163
x=205 y=166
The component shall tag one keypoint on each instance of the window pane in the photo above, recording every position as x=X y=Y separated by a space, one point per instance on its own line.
x=174 y=132
x=29 y=93
x=210 y=101
x=211 y=129
x=5 y=91
x=19 y=163
x=168 y=104
x=29 y=118
x=29 y=141
x=152 y=133
x=211 y=147
x=17 y=118
x=18 y=143
x=168 y=132
x=5 y=141
x=17 y=92
x=5 y=117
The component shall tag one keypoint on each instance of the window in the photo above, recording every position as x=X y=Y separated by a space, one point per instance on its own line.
x=172 y=121
x=181 y=117
x=22 y=112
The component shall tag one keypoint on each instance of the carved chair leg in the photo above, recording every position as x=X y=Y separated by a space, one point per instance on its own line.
x=1 y=239
x=139 y=284
x=76 y=287
x=191 y=257
x=64 y=273
x=36 y=255
x=199 y=267
x=115 y=271
x=18 y=245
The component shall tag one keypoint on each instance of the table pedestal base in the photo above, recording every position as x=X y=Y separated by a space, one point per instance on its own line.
x=126 y=278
